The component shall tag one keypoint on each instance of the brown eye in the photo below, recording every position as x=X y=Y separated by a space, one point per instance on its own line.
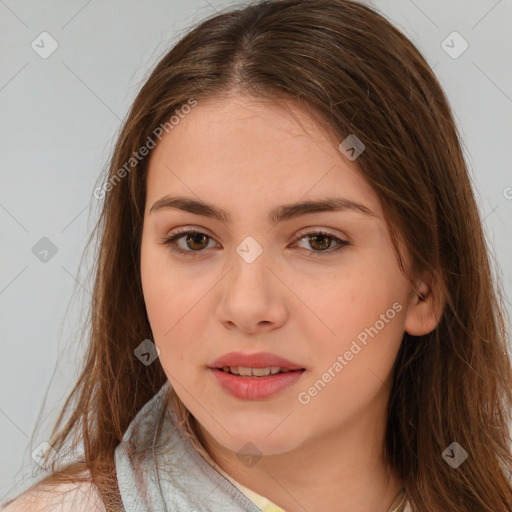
x=196 y=241
x=321 y=241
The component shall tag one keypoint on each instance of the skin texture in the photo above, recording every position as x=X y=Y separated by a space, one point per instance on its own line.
x=248 y=157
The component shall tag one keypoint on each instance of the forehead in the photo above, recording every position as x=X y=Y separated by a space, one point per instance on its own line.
x=241 y=151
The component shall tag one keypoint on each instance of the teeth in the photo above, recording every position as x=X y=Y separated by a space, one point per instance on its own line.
x=258 y=372
x=261 y=372
x=243 y=370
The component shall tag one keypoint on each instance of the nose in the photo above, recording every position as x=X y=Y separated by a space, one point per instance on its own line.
x=253 y=296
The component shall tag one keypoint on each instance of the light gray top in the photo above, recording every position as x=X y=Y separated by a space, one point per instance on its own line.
x=188 y=483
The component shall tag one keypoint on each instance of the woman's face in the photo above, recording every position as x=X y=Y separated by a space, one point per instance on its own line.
x=253 y=283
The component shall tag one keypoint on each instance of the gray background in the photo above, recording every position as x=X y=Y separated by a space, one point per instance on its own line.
x=60 y=116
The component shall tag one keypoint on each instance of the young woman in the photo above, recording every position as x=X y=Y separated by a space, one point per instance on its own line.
x=294 y=307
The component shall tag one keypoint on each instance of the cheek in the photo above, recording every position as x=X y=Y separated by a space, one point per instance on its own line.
x=351 y=373
x=164 y=293
x=174 y=307
x=160 y=297
x=365 y=314
x=351 y=300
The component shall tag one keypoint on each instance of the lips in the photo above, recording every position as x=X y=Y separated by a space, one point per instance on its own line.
x=255 y=387
x=256 y=360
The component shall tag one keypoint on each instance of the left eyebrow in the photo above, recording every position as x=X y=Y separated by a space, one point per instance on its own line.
x=277 y=214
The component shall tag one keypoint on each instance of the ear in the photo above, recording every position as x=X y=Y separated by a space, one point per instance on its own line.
x=424 y=308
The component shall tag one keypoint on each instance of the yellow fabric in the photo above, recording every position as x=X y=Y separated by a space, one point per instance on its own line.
x=261 y=502
x=264 y=504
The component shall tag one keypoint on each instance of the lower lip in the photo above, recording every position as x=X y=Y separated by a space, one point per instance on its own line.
x=256 y=388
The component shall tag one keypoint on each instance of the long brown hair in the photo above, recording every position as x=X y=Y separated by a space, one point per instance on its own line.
x=359 y=75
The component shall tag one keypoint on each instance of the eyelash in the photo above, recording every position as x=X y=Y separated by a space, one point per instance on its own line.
x=171 y=242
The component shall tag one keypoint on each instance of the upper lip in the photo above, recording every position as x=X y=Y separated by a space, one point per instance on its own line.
x=255 y=360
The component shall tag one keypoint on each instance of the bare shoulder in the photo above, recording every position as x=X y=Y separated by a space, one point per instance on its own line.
x=79 y=497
